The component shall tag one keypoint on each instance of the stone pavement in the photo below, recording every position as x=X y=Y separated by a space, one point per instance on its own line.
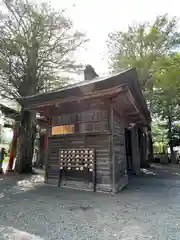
x=149 y=208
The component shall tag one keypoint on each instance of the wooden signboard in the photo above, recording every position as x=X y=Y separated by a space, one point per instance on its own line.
x=64 y=129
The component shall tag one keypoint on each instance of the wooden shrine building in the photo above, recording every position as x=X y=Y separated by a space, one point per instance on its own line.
x=97 y=131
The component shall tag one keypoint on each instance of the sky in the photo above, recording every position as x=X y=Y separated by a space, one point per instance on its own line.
x=97 y=18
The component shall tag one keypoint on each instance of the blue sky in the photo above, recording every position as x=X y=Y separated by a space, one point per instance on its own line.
x=98 y=18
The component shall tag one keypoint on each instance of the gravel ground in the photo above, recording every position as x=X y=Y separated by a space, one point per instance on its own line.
x=148 y=209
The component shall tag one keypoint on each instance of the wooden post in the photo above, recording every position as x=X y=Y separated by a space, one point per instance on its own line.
x=46 y=160
x=1 y=160
x=13 y=150
x=135 y=150
x=112 y=149
x=146 y=145
x=150 y=145
x=143 y=148
x=42 y=150
x=46 y=152
x=94 y=172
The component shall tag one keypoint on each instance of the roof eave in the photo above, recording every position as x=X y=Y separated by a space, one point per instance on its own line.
x=90 y=95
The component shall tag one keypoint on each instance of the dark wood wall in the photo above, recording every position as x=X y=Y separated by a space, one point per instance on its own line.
x=79 y=141
x=89 y=121
x=99 y=129
x=119 y=153
x=91 y=131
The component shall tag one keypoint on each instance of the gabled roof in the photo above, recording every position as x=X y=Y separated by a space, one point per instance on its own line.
x=78 y=90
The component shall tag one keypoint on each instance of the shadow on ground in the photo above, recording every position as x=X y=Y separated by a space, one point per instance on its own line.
x=147 y=209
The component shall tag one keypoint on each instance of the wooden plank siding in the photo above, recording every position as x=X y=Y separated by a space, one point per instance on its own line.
x=101 y=146
x=103 y=163
x=87 y=137
x=119 y=148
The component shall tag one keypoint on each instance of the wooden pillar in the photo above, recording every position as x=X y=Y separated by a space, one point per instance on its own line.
x=118 y=153
x=150 y=145
x=135 y=150
x=112 y=150
x=146 y=145
x=143 y=148
x=46 y=148
x=42 y=150
x=13 y=149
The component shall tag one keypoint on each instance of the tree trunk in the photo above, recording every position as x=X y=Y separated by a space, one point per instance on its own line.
x=27 y=134
x=173 y=157
x=41 y=156
x=150 y=145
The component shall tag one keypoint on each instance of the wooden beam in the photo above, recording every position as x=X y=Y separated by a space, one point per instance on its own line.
x=129 y=110
x=131 y=113
x=135 y=106
x=91 y=95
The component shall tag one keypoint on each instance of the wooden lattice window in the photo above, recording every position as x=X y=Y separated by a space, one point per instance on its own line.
x=92 y=115
x=93 y=127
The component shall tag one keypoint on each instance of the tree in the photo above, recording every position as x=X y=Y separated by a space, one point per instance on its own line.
x=142 y=46
x=166 y=98
x=159 y=134
x=35 y=43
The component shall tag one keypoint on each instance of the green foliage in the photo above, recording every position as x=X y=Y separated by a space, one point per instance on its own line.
x=159 y=132
x=166 y=97
x=142 y=47
x=35 y=45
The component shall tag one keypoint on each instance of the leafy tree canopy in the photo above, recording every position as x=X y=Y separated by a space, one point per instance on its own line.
x=142 y=46
x=35 y=45
x=166 y=94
